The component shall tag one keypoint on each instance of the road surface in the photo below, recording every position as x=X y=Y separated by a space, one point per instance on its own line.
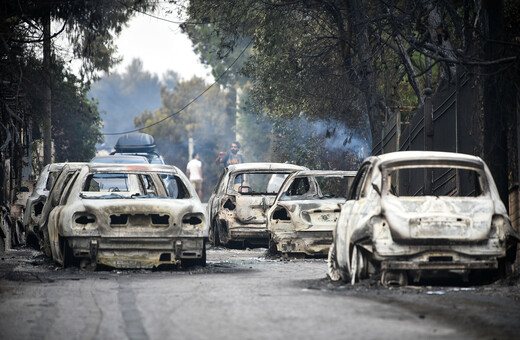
x=240 y=294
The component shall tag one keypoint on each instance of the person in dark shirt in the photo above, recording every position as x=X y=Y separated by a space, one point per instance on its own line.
x=232 y=157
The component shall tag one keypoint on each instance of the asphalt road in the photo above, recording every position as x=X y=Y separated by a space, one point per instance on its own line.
x=241 y=294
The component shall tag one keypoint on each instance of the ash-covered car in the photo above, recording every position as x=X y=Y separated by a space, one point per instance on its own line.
x=34 y=206
x=127 y=216
x=415 y=214
x=35 y=202
x=306 y=210
x=239 y=203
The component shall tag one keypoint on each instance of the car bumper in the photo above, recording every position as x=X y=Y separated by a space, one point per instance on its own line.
x=251 y=234
x=137 y=252
x=308 y=242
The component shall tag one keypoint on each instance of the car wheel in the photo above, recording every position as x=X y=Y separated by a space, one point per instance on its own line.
x=202 y=261
x=88 y=265
x=46 y=243
x=272 y=250
x=213 y=235
x=332 y=264
x=66 y=254
x=358 y=265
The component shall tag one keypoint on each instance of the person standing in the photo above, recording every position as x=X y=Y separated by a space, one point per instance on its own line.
x=194 y=173
x=232 y=157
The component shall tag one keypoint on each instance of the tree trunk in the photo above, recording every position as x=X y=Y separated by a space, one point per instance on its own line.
x=47 y=117
x=366 y=77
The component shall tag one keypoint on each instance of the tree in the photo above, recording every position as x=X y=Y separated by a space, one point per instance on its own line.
x=208 y=121
x=354 y=59
x=90 y=27
x=123 y=96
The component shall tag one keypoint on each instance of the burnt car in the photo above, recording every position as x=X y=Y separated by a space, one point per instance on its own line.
x=61 y=179
x=127 y=216
x=36 y=202
x=306 y=210
x=238 y=206
x=417 y=214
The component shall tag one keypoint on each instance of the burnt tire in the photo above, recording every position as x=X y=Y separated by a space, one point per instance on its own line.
x=67 y=255
x=272 y=249
x=202 y=261
x=46 y=243
x=333 y=270
x=214 y=237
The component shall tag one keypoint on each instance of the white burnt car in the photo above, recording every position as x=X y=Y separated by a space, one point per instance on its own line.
x=306 y=210
x=412 y=214
x=35 y=202
x=238 y=206
x=127 y=216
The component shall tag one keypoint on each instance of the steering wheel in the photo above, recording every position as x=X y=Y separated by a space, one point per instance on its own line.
x=113 y=189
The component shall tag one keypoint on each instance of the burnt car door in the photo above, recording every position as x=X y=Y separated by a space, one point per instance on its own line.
x=352 y=213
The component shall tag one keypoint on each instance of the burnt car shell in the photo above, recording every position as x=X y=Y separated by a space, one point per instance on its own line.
x=237 y=211
x=385 y=228
x=304 y=213
x=36 y=201
x=153 y=217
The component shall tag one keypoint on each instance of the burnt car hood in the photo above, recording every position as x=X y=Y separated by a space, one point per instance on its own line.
x=430 y=217
x=252 y=209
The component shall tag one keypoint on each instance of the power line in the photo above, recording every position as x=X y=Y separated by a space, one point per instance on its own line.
x=189 y=103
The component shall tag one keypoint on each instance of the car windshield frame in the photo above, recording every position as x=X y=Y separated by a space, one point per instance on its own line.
x=389 y=168
x=239 y=188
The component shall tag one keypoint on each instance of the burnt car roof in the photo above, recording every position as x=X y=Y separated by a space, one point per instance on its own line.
x=265 y=166
x=403 y=157
x=325 y=173
x=127 y=167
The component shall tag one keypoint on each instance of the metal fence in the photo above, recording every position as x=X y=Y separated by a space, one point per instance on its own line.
x=456 y=127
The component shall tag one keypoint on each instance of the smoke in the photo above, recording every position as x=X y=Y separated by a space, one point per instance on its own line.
x=330 y=135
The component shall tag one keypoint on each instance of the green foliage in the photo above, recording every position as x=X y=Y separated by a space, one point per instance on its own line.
x=76 y=119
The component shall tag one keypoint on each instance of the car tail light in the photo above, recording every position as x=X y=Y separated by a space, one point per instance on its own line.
x=195 y=220
x=84 y=219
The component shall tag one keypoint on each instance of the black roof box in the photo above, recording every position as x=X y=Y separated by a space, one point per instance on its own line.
x=135 y=142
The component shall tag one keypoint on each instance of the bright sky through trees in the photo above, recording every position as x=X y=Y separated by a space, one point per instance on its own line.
x=161 y=46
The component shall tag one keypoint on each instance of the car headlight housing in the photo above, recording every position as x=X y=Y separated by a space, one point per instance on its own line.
x=498 y=227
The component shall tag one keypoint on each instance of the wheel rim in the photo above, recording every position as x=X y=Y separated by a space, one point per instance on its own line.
x=354 y=266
